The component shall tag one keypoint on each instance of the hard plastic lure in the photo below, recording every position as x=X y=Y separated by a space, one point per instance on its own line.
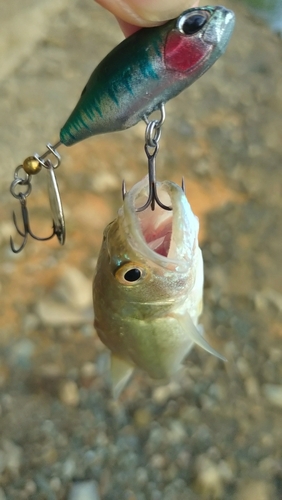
x=148 y=68
x=148 y=287
x=137 y=77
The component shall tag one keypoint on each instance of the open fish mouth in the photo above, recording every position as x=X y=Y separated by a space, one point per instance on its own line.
x=156 y=226
x=161 y=235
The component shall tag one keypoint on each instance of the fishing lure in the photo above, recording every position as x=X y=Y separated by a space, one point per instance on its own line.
x=150 y=67
x=144 y=71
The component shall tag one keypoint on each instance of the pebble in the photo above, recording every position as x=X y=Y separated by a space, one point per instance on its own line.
x=252 y=387
x=268 y=296
x=254 y=490
x=55 y=484
x=2 y=494
x=69 y=394
x=158 y=461
x=84 y=490
x=21 y=353
x=75 y=289
x=141 y=475
x=177 y=433
x=273 y=394
x=13 y=456
x=54 y=314
x=142 y=417
x=105 y=181
x=88 y=370
x=208 y=479
x=69 y=468
x=164 y=392
x=30 y=487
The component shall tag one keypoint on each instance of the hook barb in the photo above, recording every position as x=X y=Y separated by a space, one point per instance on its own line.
x=26 y=228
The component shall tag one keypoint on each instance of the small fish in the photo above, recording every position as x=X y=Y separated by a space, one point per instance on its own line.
x=148 y=287
x=151 y=66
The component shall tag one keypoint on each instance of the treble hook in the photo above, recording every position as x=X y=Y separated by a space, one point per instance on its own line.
x=153 y=197
x=152 y=138
x=27 y=230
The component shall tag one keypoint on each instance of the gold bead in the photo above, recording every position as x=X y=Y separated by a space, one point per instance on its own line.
x=31 y=165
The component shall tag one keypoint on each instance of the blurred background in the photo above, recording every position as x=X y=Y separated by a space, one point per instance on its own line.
x=215 y=432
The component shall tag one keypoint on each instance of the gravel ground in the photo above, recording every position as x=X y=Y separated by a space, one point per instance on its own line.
x=214 y=432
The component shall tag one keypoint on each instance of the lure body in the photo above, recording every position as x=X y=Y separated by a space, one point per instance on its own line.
x=151 y=66
x=148 y=287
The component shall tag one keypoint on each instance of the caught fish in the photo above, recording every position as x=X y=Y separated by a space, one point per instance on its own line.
x=148 y=68
x=148 y=287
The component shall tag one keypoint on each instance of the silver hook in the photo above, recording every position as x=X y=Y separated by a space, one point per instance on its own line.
x=152 y=138
x=25 y=217
x=153 y=197
x=54 y=197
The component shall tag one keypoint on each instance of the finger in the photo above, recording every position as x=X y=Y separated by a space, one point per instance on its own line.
x=146 y=12
x=128 y=29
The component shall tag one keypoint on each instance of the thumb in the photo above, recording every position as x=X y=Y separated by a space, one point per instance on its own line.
x=146 y=12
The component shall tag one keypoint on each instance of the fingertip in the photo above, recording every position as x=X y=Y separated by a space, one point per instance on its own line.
x=127 y=29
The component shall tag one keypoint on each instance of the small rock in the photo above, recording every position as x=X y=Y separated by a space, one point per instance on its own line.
x=225 y=472
x=252 y=387
x=273 y=394
x=84 y=490
x=75 y=289
x=142 y=417
x=161 y=394
x=2 y=494
x=13 y=456
x=105 y=181
x=269 y=465
x=88 y=370
x=176 y=433
x=164 y=392
x=30 y=488
x=69 y=394
x=243 y=367
x=141 y=475
x=69 y=468
x=52 y=313
x=254 y=490
x=30 y=323
x=158 y=461
x=268 y=296
x=208 y=479
x=55 y=484
x=21 y=353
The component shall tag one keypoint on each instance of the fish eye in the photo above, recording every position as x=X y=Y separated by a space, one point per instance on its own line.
x=129 y=273
x=191 y=23
x=132 y=274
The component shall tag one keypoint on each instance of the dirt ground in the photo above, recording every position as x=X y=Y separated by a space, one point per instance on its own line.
x=216 y=431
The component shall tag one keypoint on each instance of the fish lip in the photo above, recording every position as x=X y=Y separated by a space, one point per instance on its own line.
x=181 y=210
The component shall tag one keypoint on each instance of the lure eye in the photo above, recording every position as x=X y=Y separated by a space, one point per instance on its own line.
x=129 y=274
x=191 y=23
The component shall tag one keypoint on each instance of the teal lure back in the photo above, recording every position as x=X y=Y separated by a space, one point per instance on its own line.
x=151 y=66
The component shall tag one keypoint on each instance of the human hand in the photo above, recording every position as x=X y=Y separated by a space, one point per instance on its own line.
x=135 y=14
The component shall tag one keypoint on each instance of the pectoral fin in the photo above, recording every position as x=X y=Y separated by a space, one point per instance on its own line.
x=196 y=336
x=121 y=372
